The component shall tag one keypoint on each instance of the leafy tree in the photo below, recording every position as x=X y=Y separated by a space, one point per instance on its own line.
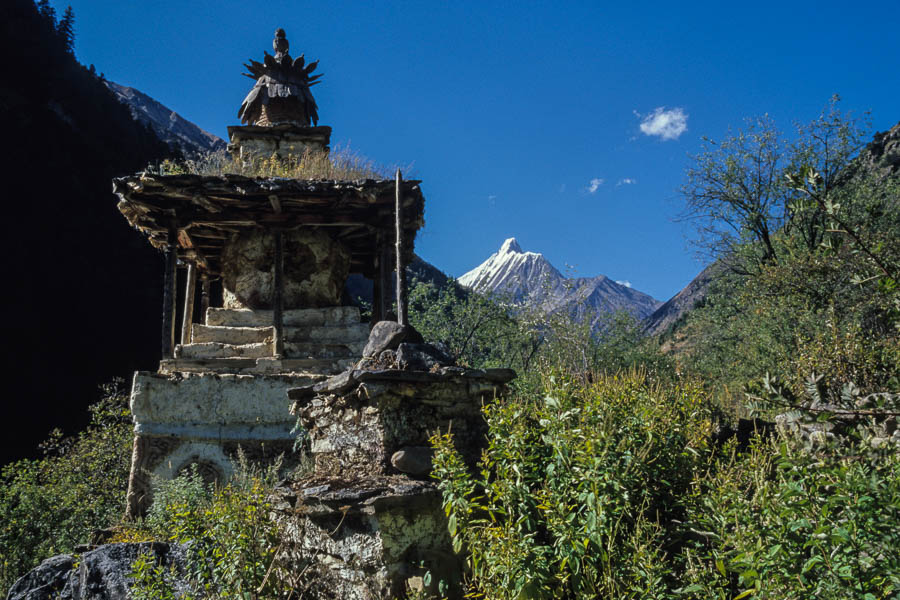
x=478 y=331
x=739 y=196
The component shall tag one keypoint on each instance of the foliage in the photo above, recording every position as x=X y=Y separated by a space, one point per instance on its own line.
x=50 y=505
x=491 y=331
x=788 y=523
x=577 y=489
x=336 y=164
x=234 y=544
x=478 y=331
x=821 y=295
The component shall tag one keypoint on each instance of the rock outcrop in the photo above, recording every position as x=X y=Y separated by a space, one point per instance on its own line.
x=171 y=127
x=100 y=574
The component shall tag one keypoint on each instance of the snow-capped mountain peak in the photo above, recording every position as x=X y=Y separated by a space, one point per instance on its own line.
x=529 y=278
x=510 y=245
x=506 y=270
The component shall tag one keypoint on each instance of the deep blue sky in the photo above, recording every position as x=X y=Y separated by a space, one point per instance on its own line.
x=508 y=111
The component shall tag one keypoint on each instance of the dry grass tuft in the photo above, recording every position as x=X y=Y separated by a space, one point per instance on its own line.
x=340 y=163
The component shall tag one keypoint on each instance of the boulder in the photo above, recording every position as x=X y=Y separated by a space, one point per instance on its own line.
x=102 y=574
x=421 y=357
x=388 y=335
x=414 y=460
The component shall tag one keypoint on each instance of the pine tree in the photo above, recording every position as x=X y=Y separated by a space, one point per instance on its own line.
x=66 y=29
x=47 y=11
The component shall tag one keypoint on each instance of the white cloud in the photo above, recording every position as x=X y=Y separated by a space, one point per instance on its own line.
x=667 y=124
x=596 y=182
x=625 y=283
x=626 y=181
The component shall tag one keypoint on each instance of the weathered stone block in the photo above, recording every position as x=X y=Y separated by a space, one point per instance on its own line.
x=315 y=269
x=245 y=317
x=357 y=420
x=231 y=335
x=370 y=537
x=349 y=333
x=217 y=350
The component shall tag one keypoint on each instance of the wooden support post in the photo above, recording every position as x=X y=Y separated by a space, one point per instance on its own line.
x=377 y=282
x=386 y=281
x=187 y=316
x=401 y=268
x=169 y=307
x=204 y=296
x=278 y=295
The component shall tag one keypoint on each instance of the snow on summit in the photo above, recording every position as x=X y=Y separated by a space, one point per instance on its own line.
x=506 y=270
x=529 y=278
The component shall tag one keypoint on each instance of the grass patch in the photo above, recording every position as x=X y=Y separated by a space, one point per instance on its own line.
x=339 y=164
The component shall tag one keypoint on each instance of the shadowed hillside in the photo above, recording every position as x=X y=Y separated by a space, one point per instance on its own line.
x=82 y=291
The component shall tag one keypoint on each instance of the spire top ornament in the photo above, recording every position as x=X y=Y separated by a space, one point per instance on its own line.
x=281 y=93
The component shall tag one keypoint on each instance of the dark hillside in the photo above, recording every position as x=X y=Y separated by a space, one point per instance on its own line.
x=82 y=293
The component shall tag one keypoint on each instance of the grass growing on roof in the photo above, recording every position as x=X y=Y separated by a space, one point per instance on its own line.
x=341 y=163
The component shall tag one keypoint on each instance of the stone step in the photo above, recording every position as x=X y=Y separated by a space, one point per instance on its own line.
x=313 y=350
x=244 y=317
x=218 y=350
x=231 y=335
x=325 y=334
x=322 y=366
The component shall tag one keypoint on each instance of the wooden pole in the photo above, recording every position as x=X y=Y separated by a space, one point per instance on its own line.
x=278 y=295
x=401 y=268
x=386 y=282
x=169 y=306
x=377 y=282
x=204 y=296
x=187 y=316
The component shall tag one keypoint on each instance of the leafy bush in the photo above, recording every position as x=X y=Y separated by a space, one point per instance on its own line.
x=234 y=543
x=577 y=490
x=783 y=522
x=50 y=505
x=478 y=331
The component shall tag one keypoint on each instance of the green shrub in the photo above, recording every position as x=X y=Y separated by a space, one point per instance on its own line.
x=234 y=549
x=577 y=489
x=786 y=523
x=50 y=505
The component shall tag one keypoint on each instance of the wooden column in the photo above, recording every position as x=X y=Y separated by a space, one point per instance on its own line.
x=169 y=306
x=401 y=268
x=386 y=283
x=204 y=296
x=377 y=282
x=278 y=295
x=187 y=316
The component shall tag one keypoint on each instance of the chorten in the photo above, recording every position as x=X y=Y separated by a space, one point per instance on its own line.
x=272 y=256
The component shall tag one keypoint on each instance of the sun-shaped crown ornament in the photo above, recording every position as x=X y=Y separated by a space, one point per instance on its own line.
x=281 y=93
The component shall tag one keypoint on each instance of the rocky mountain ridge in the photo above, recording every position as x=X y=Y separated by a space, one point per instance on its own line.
x=529 y=278
x=168 y=125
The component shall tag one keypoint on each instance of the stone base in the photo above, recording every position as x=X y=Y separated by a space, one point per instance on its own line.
x=380 y=537
x=184 y=419
x=358 y=420
x=251 y=141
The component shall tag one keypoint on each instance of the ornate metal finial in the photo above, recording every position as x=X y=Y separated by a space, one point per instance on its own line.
x=281 y=93
x=280 y=43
